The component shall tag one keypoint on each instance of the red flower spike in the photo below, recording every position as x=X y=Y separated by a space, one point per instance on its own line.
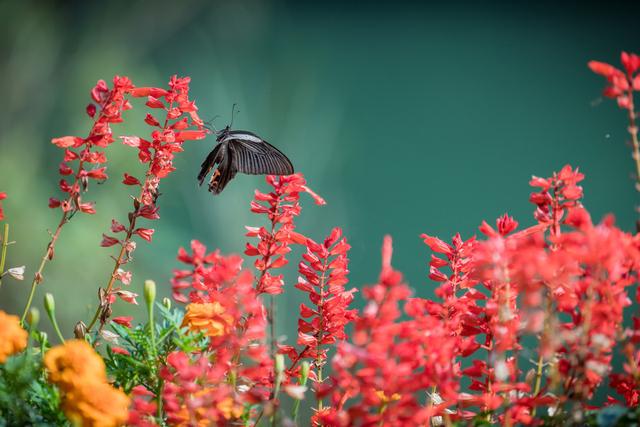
x=280 y=206
x=158 y=154
x=323 y=277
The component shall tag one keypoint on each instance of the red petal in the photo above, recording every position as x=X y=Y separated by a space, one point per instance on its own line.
x=108 y=241
x=131 y=141
x=602 y=68
x=67 y=141
x=123 y=320
x=130 y=180
x=140 y=92
x=192 y=135
x=145 y=233
x=153 y=102
x=87 y=208
x=150 y=120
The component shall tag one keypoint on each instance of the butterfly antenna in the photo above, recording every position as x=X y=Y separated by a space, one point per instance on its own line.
x=233 y=110
x=209 y=124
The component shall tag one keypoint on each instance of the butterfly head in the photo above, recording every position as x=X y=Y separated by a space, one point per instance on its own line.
x=222 y=133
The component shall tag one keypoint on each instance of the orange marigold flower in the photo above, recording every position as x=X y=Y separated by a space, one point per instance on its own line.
x=209 y=318
x=13 y=338
x=74 y=363
x=96 y=404
x=226 y=408
x=87 y=398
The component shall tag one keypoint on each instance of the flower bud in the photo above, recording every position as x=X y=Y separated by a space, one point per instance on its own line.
x=34 y=317
x=279 y=364
x=166 y=302
x=49 y=304
x=149 y=292
x=80 y=330
x=304 y=372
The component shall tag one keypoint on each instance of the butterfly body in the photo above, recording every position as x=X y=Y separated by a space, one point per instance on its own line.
x=245 y=152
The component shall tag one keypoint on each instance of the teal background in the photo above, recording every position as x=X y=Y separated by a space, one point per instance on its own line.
x=407 y=117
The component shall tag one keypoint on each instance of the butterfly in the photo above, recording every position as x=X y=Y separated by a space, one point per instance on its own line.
x=245 y=152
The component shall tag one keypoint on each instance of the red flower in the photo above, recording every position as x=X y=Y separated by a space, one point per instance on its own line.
x=145 y=233
x=143 y=409
x=111 y=103
x=280 y=206
x=2 y=197
x=123 y=320
x=323 y=272
x=158 y=154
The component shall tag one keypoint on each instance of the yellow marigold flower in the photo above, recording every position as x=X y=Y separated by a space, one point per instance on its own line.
x=209 y=318
x=13 y=338
x=386 y=399
x=75 y=362
x=96 y=404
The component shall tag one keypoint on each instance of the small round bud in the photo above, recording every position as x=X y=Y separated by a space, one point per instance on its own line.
x=49 y=304
x=149 y=292
x=305 y=367
x=166 y=302
x=34 y=317
x=80 y=330
x=279 y=363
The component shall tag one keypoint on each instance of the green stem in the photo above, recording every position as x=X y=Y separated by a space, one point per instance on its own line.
x=295 y=410
x=48 y=255
x=152 y=331
x=5 y=244
x=159 y=396
x=56 y=328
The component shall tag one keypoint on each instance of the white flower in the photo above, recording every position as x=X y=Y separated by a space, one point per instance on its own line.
x=295 y=391
x=16 y=272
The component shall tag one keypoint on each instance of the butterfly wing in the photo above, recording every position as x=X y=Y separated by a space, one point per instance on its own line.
x=209 y=163
x=254 y=156
x=225 y=171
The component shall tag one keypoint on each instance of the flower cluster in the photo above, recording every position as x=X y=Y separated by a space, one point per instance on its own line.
x=181 y=123
x=564 y=280
x=225 y=307
x=87 y=398
x=280 y=206
x=323 y=276
x=378 y=374
x=620 y=84
x=106 y=110
x=522 y=328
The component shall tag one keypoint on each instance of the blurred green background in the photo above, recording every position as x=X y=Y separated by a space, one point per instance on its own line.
x=407 y=117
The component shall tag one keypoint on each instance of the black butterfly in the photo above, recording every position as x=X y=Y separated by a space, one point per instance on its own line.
x=242 y=151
